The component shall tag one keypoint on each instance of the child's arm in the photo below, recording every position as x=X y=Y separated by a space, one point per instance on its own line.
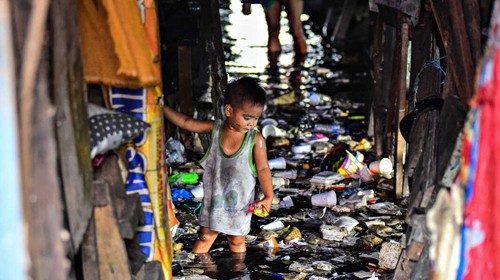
x=187 y=123
x=263 y=171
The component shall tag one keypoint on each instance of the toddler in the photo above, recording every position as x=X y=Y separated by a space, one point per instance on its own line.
x=236 y=157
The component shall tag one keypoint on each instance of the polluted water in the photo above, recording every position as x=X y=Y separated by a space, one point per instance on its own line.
x=334 y=215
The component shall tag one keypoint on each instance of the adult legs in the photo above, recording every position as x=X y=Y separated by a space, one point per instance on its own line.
x=294 y=9
x=273 y=26
x=206 y=238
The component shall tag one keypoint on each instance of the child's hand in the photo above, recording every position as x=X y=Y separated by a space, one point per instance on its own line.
x=266 y=203
x=246 y=9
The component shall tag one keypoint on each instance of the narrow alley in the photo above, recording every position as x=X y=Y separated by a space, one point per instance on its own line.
x=320 y=104
x=249 y=139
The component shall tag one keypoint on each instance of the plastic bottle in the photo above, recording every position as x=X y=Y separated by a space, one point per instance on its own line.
x=333 y=128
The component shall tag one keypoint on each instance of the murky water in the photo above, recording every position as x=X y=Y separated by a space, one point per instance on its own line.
x=342 y=75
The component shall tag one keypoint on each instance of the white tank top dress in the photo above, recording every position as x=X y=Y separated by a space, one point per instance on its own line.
x=228 y=185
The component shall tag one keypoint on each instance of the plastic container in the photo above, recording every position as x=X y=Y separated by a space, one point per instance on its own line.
x=325 y=199
x=326 y=179
x=286 y=174
x=333 y=128
x=277 y=163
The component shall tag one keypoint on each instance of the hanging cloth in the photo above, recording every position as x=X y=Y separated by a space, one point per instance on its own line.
x=115 y=47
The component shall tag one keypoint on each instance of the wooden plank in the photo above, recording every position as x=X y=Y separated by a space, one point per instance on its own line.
x=42 y=195
x=378 y=107
x=390 y=59
x=71 y=117
x=451 y=25
x=90 y=262
x=111 y=253
x=127 y=208
x=40 y=185
x=391 y=64
x=400 y=142
x=472 y=17
x=451 y=121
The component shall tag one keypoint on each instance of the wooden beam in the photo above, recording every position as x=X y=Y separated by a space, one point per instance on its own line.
x=42 y=195
x=90 y=261
x=451 y=23
x=379 y=109
x=401 y=105
x=472 y=16
x=41 y=189
x=71 y=117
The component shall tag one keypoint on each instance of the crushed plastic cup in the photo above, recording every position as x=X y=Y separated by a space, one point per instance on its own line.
x=383 y=167
x=277 y=163
x=272 y=130
x=325 y=199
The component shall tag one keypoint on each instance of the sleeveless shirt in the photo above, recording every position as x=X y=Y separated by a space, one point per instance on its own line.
x=228 y=185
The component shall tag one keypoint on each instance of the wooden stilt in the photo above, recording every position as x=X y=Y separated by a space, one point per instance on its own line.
x=401 y=105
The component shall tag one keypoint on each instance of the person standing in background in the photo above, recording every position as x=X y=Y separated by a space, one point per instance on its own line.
x=272 y=10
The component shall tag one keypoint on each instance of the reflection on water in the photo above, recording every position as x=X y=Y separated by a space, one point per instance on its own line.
x=325 y=70
x=246 y=37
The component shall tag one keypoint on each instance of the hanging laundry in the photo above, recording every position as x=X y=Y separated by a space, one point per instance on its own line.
x=115 y=47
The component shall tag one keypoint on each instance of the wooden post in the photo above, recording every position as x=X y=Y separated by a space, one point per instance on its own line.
x=212 y=69
x=41 y=187
x=71 y=117
x=451 y=23
x=379 y=109
x=401 y=105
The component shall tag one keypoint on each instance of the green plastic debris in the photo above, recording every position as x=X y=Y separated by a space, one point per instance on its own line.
x=187 y=178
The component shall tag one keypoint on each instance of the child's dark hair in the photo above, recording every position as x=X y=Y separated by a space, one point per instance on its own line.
x=244 y=89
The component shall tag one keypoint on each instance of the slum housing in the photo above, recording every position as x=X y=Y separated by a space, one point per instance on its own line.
x=81 y=202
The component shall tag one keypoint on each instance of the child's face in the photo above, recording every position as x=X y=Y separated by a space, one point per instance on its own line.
x=243 y=118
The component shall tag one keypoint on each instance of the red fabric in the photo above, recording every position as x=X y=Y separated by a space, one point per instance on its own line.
x=482 y=213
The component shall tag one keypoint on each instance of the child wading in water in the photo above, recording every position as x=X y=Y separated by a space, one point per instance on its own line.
x=236 y=156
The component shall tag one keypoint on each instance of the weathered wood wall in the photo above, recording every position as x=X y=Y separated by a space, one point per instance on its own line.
x=445 y=51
